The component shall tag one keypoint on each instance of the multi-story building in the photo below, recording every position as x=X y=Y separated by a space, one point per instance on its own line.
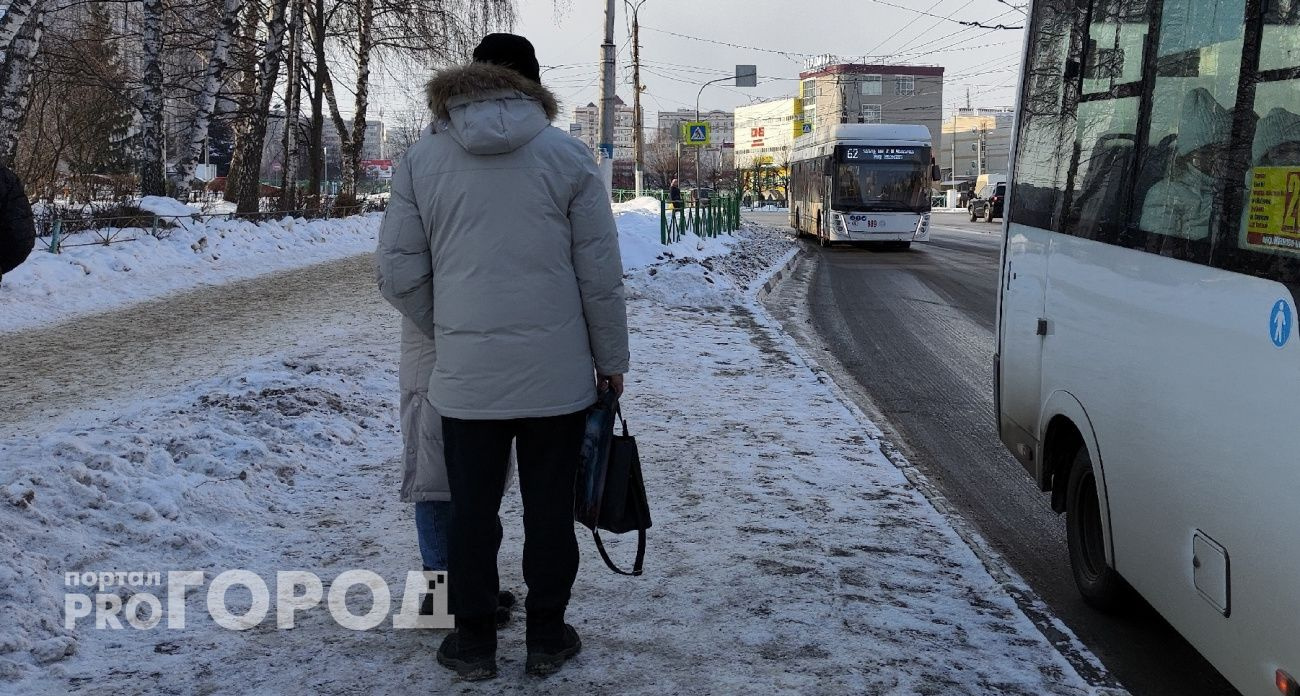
x=586 y=127
x=844 y=92
x=765 y=135
x=722 y=125
x=976 y=141
x=765 y=132
x=375 y=146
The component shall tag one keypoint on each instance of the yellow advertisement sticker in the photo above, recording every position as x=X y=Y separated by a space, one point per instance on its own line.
x=1273 y=219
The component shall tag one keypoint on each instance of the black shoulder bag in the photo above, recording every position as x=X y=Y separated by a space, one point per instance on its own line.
x=610 y=491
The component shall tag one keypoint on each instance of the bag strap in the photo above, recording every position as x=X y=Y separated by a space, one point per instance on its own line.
x=640 y=553
x=618 y=411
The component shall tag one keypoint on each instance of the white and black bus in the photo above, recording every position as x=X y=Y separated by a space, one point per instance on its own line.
x=1148 y=363
x=863 y=183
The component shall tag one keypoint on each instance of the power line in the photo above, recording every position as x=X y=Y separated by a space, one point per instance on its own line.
x=931 y=28
x=786 y=54
x=979 y=25
x=900 y=30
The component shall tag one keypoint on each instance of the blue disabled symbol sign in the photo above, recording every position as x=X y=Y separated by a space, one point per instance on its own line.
x=1279 y=323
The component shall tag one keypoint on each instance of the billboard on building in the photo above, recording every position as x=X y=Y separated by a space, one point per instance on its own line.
x=377 y=169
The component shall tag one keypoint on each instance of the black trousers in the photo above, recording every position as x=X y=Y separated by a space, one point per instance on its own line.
x=478 y=457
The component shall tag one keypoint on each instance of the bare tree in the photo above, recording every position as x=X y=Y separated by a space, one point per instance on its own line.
x=152 y=139
x=11 y=22
x=206 y=101
x=437 y=31
x=244 y=96
x=248 y=195
x=15 y=79
x=292 y=107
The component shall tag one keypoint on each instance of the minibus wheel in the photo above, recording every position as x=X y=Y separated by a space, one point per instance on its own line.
x=1101 y=587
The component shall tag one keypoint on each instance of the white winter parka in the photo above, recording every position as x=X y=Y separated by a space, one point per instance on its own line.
x=500 y=244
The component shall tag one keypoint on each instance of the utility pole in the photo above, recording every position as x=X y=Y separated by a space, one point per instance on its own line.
x=607 y=99
x=953 y=145
x=637 y=127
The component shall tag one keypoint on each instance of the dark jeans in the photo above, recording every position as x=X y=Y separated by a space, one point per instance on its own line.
x=478 y=454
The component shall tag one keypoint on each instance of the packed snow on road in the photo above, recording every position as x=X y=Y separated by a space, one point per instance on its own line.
x=788 y=553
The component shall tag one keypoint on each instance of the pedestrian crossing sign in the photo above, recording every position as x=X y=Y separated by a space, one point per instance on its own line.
x=695 y=132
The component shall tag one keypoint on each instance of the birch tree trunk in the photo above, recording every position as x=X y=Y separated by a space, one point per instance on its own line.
x=15 y=81
x=365 y=45
x=152 y=143
x=292 y=100
x=12 y=22
x=207 y=99
x=316 y=160
x=249 y=194
x=345 y=137
x=246 y=93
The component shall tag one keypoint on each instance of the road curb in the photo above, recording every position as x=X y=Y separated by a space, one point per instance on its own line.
x=775 y=277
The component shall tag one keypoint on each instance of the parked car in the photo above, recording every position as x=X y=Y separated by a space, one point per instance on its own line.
x=988 y=204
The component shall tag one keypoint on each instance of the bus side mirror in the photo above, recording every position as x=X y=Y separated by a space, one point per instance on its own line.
x=935 y=173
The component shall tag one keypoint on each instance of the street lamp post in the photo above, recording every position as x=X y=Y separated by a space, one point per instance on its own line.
x=697 y=118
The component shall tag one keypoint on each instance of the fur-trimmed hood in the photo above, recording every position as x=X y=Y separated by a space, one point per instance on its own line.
x=488 y=109
x=474 y=80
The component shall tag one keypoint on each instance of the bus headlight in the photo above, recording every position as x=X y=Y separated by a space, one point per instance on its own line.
x=922 y=227
x=843 y=223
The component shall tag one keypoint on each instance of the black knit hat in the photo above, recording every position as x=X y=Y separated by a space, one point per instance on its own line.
x=509 y=51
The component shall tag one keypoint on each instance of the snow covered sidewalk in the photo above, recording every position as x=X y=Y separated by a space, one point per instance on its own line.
x=49 y=288
x=788 y=554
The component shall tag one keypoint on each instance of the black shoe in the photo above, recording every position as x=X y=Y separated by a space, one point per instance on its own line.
x=470 y=666
x=505 y=600
x=546 y=659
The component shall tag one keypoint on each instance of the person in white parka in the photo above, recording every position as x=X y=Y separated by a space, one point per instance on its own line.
x=499 y=243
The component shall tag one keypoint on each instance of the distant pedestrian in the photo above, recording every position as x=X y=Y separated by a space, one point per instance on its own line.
x=499 y=242
x=675 y=195
x=17 y=228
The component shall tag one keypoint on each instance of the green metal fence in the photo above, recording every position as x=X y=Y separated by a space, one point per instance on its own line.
x=708 y=218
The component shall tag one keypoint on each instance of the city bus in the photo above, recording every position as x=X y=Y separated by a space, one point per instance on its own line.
x=1147 y=362
x=860 y=182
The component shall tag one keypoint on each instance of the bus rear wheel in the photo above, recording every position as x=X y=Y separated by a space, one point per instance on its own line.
x=1101 y=587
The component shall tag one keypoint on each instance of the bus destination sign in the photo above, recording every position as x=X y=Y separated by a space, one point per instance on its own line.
x=882 y=154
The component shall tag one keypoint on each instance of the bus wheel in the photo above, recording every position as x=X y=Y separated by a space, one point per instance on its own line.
x=1101 y=587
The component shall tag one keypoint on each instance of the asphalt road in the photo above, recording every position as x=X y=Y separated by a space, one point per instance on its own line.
x=910 y=336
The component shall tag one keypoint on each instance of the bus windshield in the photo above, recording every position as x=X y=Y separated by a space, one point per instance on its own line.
x=872 y=187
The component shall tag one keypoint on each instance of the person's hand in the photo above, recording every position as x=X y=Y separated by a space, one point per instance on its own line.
x=614 y=382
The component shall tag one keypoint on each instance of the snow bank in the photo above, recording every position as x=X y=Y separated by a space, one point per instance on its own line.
x=161 y=205
x=639 y=237
x=88 y=277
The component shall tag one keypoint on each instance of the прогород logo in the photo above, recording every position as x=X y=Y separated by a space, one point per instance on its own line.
x=295 y=591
